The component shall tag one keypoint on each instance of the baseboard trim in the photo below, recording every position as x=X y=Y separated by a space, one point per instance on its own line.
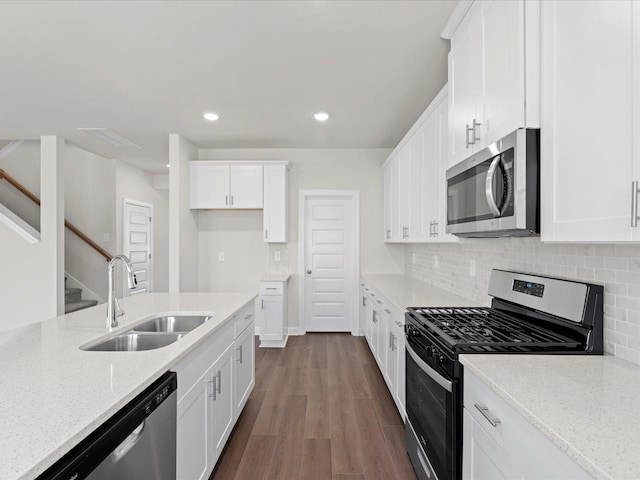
x=293 y=331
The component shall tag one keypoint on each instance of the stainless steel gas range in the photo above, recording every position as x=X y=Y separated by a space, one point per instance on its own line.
x=528 y=315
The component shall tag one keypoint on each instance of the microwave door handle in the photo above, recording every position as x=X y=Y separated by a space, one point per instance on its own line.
x=488 y=186
x=509 y=193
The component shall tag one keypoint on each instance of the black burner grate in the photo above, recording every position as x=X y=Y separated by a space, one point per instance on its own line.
x=486 y=329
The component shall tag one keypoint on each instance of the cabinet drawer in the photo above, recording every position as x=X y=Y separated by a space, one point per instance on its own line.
x=191 y=368
x=244 y=318
x=271 y=288
x=477 y=393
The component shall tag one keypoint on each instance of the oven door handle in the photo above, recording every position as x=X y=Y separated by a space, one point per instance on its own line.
x=435 y=376
x=488 y=187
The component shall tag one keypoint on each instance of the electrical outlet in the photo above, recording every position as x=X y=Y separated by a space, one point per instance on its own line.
x=276 y=256
x=472 y=268
x=221 y=256
x=436 y=261
x=413 y=258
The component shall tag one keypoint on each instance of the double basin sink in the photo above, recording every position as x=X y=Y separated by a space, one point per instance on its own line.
x=154 y=333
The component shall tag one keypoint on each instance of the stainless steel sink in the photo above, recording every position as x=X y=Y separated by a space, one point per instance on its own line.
x=135 y=342
x=172 y=323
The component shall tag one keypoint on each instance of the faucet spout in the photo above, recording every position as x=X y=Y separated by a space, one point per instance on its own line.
x=113 y=309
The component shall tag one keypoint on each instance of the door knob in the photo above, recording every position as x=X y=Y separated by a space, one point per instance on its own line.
x=309 y=272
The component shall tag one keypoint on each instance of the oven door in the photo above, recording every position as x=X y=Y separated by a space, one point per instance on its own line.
x=432 y=414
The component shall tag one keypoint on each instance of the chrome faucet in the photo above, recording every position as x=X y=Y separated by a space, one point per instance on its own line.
x=113 y=308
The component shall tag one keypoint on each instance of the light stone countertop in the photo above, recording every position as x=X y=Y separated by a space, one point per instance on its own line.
x=275 y=277
x=404 y=291
x=53 y=394
x=588 y=405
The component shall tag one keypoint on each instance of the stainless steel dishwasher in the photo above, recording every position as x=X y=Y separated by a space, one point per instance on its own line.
x=137 y=443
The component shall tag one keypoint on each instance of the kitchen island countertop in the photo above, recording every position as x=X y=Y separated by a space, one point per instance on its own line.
x=53 y=394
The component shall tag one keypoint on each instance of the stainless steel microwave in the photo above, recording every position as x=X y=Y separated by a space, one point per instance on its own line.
x=496 y=192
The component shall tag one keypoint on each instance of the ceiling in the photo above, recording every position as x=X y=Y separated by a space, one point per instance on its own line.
x=147 y=69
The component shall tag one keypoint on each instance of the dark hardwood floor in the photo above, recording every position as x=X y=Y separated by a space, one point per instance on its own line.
x=320 y=410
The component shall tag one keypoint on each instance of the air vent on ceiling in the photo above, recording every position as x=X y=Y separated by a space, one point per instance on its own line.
x=110 y=137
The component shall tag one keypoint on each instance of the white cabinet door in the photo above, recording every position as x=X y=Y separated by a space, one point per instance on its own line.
x=504 y=68
x=390 y=344
x=194 y=448
x=465 y=83
x=209 y=186
x=375 y=333
x=400 y=393
x=369 y=323
x=222 y=403
x=273 y=315
x=587 y=158
x=482 y=457
x=414 y=188
x=362 y=301
x=244 y=372
x=388 y=201
x=275 y=203
x=245 y=186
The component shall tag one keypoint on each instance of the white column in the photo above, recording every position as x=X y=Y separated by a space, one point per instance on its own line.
x=183 y=230
x=52 y=219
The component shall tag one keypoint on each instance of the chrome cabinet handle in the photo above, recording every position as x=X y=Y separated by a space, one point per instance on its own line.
x=388 y=233
x=309 y=272
x=375 y=316
x=247 y=317
x=266 y=233
x=219 y=382
x=379 y=302
x=475 y=125
x=232 y=195
x=239 y=349
x=435 y=228
x=466 y=136
x=213 y=380
x=364 y=302
x=485 y=413
x=262 y=303
x=387 y=310
x=390 y=341
x=226 y=199
x=634 y=203
x=398 y=324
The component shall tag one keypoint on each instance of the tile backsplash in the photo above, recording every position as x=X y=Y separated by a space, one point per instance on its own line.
x=617 y=267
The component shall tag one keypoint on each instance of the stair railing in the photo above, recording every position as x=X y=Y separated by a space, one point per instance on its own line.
x=5 y=176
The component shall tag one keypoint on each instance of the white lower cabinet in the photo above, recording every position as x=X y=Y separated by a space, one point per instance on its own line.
x=383 y=326
x=209 y=382
x=273 y=303
x=499 y=443
x=245 y=368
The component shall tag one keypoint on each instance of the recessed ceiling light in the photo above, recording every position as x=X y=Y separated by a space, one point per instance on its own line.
x=212 y=117
x=321 y=116
x=167 y=165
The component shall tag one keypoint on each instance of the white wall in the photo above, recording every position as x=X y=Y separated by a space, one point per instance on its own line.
x=183 y=231
x=134 y=184
x=31 y=279
x=239 y=234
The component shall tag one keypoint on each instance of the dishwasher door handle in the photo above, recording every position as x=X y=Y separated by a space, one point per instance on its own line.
x=128 y=443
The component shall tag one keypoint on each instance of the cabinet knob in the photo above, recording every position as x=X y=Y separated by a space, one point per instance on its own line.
x=309 y=272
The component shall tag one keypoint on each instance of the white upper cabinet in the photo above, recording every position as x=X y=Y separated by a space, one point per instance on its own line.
x=388 y=199
x=276 y=181
x=216 y=185
x=245 y=186
x=494 y=70
x=590 y=136
x=209 y=186
x=415 y=183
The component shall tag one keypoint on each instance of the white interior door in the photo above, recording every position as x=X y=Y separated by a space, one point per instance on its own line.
x=330 y=262
x=137 y=244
